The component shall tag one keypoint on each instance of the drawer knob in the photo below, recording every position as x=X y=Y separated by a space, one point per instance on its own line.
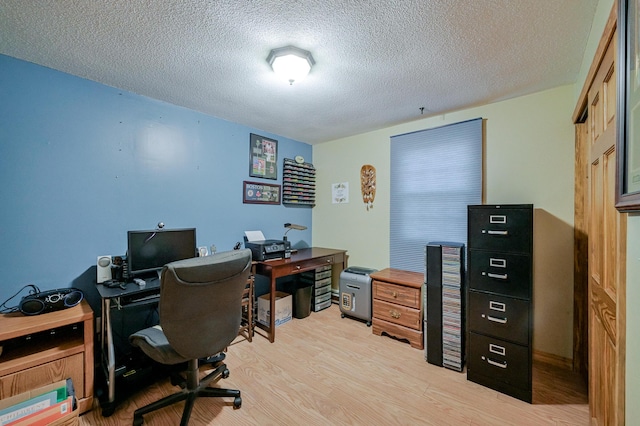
x=394 y=314
x=297 y=266
x=394 y=294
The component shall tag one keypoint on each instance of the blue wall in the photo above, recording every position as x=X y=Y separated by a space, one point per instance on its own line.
x=81 y=163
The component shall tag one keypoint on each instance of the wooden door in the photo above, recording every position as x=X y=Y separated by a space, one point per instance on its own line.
x=607 y=246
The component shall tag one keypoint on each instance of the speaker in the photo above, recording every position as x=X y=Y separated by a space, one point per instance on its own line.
x=104 y=269
x=49 y=301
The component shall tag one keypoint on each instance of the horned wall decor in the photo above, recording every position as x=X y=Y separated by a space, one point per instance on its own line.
x=368 y=185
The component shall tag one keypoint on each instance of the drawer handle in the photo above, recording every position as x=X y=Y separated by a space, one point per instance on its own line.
x=497 y=364
x=499 y=350
x=497 y=263
x=495 y=319
x=494 y=218
x=497 y=306
x=497 y=276
x=490 y=232
x=394 y=314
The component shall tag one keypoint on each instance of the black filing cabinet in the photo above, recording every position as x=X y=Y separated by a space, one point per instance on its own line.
x=500 y=298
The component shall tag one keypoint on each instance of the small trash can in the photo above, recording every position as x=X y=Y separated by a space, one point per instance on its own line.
x=302 y=302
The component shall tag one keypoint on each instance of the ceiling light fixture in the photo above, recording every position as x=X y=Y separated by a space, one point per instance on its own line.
x=290 y=63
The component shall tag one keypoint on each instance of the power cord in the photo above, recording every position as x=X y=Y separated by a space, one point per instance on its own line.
x=4 y=309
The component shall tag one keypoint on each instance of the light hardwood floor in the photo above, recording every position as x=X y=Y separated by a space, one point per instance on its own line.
x=325 y=370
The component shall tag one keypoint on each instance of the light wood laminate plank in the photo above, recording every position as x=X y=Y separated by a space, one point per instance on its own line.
x=326 y=370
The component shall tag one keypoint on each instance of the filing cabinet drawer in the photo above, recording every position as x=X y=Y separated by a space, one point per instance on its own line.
x=500 y=360
x=403 y=295
x=397 y=314
x=500 y=229
x=499 y=316
x=503 y=273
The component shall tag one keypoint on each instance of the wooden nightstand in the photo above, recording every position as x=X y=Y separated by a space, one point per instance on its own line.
x=397 y=305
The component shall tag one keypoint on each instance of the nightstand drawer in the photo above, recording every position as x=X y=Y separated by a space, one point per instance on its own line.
x=503 y=273
x=499 y=316
x=397 y=314
x=397 y=294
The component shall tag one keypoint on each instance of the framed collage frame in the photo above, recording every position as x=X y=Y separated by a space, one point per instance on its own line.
x=263 y=157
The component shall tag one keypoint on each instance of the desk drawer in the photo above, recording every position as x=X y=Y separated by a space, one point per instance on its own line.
x=311 y=264
x=502 y=317
x=397 y=314
x=407 y=296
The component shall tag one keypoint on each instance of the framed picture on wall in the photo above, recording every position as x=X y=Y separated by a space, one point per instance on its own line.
x=263 y=157
x=260 y=193
x=628 y=114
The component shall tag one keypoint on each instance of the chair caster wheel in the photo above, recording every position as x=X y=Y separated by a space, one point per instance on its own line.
x=341 y=315
x=225 y=373
x=176 y=380
x=108 y=410
x=237 y=402
x=138 y=421
x=368 y=323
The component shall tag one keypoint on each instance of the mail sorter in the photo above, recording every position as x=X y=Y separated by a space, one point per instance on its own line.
x=355 y=293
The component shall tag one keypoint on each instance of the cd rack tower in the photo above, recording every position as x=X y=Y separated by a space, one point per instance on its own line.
x=444 y=305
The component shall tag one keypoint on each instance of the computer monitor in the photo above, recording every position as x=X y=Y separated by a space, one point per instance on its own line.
x=149 y=250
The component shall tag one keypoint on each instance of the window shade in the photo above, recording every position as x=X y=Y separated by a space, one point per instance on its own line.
x=435 y=174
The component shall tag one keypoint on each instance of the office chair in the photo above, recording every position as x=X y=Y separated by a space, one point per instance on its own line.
x=200 y=314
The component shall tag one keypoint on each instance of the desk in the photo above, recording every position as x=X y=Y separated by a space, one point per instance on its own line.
x=303 y=260
x=130 y=295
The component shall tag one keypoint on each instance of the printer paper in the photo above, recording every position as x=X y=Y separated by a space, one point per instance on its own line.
x=254 y=235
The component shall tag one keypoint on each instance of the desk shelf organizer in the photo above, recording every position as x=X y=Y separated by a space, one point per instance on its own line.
x=298 y=183
x=320 y=278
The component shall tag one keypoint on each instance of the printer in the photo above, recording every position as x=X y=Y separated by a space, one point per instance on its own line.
x=268 y=249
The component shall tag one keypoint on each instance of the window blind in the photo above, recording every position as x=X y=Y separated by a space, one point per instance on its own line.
x=435 y=174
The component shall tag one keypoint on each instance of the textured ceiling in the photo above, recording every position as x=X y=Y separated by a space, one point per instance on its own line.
x=377 y=62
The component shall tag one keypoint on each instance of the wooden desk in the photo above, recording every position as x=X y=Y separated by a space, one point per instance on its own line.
x=303 y=260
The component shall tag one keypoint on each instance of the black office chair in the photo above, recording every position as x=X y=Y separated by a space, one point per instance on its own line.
x=200 y=315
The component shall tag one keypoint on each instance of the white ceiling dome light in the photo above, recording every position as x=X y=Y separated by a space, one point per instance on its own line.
x=290 y=63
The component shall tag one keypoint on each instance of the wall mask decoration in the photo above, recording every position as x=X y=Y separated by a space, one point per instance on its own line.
x=368 y=185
